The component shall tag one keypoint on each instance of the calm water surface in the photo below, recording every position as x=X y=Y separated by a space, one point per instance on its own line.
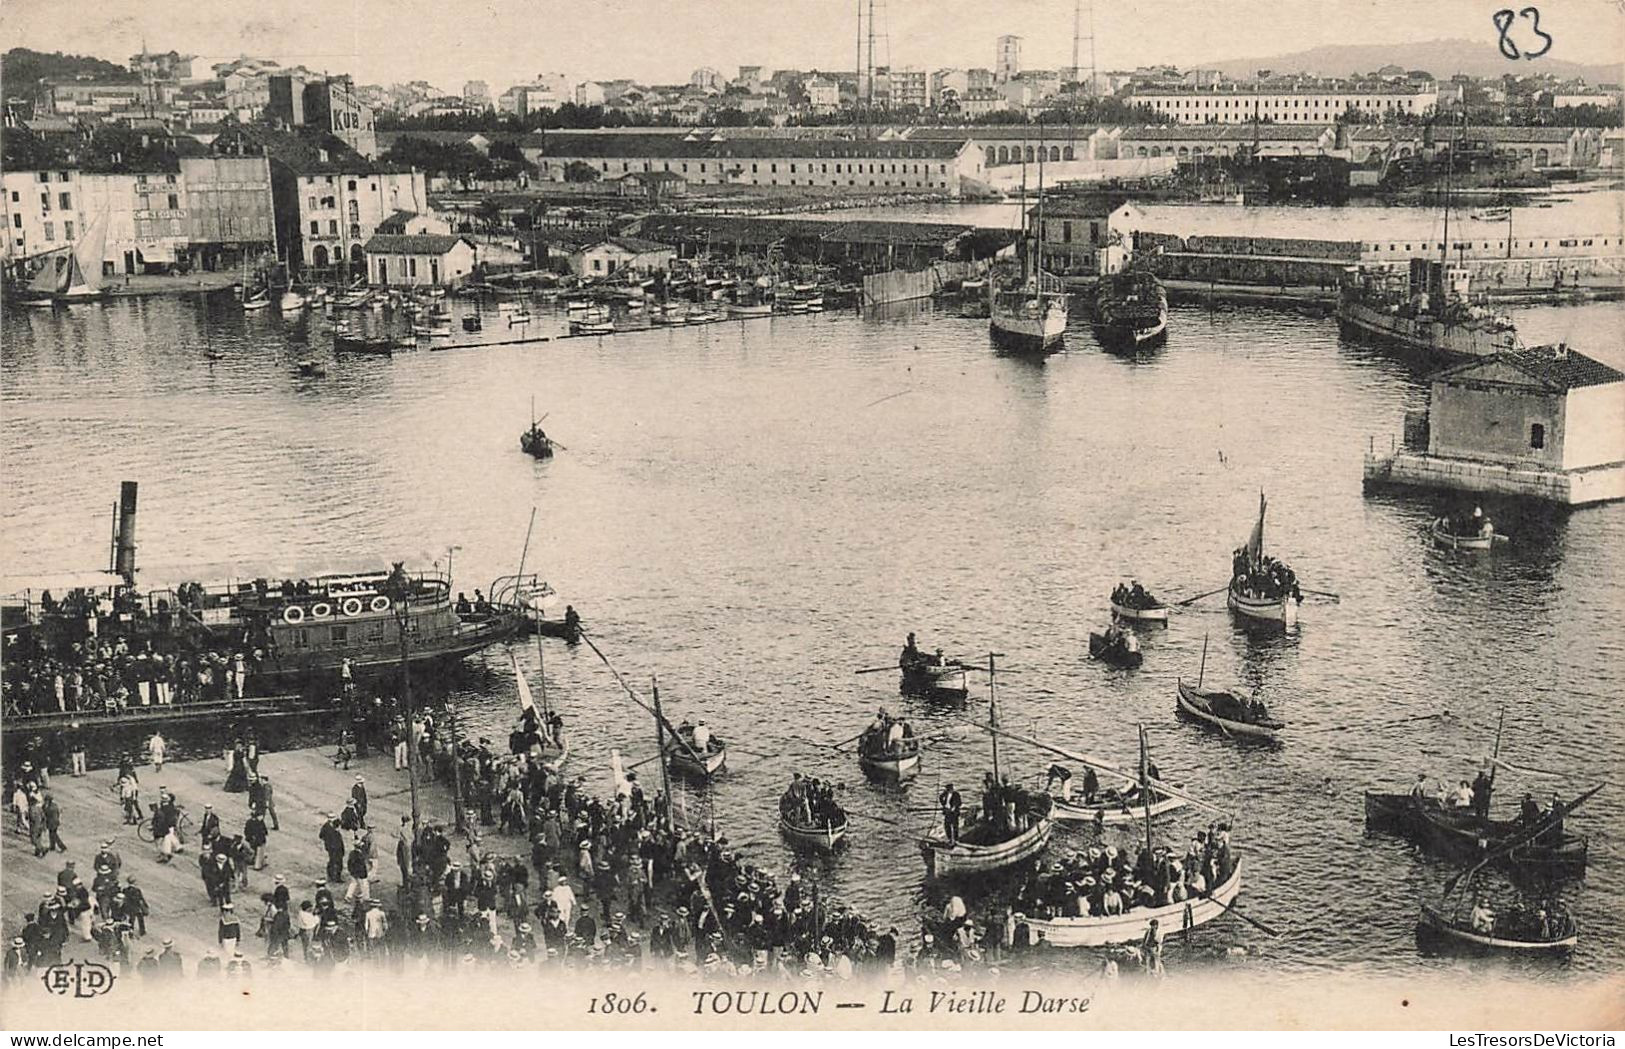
x=754 y=511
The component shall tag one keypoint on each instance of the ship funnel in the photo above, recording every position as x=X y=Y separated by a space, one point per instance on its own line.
x=124 y=562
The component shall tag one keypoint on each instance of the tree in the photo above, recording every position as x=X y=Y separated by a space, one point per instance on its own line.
x=579 y=171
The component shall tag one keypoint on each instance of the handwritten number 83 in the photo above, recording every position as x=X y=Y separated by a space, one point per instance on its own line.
x=1503 y=22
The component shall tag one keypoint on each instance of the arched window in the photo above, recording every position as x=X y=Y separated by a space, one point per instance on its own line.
x=992 y=156
x=1055 y=153
x=1183 y=152
x=1030 y=155
x=318 y=257
x=1066 y=154
x=358 y=255
x=1542 y=158
x=1142 y=151
x=355 y=211
x=1004 y=154
x=1156 y=151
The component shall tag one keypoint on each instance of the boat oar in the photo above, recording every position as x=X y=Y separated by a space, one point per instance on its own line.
x=873 y=670
x=1198 y=597
x=1227 y=908
x=842 y=743
x=1321 y=593
x=1424 y=717
x=877 y=819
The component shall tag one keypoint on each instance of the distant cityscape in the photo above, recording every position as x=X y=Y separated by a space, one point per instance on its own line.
x=252 y=159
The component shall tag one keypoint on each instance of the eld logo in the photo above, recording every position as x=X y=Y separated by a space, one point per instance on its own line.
x=81 y=979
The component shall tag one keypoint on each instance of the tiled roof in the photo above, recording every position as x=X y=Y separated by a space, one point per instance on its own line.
x=1556 y=368
x=747 y=147
x=412 y=243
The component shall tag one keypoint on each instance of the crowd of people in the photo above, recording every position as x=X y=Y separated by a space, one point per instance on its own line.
x=810 y=802
x=1262 y=578
x=79 y=670
x=1104 y=880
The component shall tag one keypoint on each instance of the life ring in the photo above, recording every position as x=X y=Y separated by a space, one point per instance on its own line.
x=351 y=606
x=380 y=603
x=293 y=614
x=321 y=610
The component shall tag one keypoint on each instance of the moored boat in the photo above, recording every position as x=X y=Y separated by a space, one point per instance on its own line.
x=1131 y=310
x=1113 y=808
x=1476 y=533
x=967 y=857
x=1462 y=834
x=291 y=301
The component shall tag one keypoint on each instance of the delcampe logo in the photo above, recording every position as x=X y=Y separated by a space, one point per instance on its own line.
x=80 y=979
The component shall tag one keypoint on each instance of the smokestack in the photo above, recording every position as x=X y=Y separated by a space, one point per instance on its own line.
x=125 y=562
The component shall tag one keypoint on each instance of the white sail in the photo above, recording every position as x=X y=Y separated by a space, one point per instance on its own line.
x=525 y=702
x=88 y=256
x=49 y=279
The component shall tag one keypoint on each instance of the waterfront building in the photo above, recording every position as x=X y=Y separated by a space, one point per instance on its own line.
x=229 y=209
x=725 y=159
x=412 y=260
x=330 y=104
x=1086 y=235
x=1545 y=422
x=328 y=199
x=614 y=255
x=1287 y=101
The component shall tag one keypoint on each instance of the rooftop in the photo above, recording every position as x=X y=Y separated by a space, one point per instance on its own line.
x=413 y=243
x=1556 y=368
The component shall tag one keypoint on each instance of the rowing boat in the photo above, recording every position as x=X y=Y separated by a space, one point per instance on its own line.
x=1157 y=613
x=824 y=838
x=1132 y=925
x=1201 y=705
x=1441 y=927
x=905 y=762
x=940 y=679
x=1282 y=610
x=1117 y=652
x=1445 y=538
x=1464 y=834
x=686 y=760
x=943 y=860
x=1118 y=810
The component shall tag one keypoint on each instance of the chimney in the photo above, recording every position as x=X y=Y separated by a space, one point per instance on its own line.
x=1560 y=352
x=124 y=562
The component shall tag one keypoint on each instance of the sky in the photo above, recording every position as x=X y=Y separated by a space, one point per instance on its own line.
x=663 y=41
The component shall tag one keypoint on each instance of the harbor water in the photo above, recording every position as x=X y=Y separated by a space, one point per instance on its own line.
x=752 y=511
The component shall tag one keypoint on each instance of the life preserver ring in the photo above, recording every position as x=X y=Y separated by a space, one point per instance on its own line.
x=351 y=606
x=293 y=614
x=380 y=603
x=321 y=610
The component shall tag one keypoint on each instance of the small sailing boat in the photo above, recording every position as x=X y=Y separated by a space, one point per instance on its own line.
x=1263 y=589
x=71 y=274
x=984 y=847
x=534 y=441
x=1225 y=711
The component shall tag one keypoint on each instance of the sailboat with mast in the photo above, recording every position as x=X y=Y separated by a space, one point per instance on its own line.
x=71 y=274
x=539 y=732
x=1029 y=315
x=985 y=846
x=1263 y=589
x=1132 y=923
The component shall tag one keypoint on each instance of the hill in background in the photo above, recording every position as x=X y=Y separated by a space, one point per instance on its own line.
x=1442 y=58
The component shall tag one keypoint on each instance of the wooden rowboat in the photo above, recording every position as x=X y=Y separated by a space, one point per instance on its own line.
x=1200 y=704
x=822 y=838
x=1156 y=614
x=1118 y=811
x=893 y=766
x=1462 y=834
x=1281 y=611
x=685 y=761
x=1442 y=536
x=1132 y=925
x=940 y=679
x=965 y=858
x=1441 y=927
x=1118 y=655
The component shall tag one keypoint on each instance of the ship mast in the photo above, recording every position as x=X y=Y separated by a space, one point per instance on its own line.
x=1038 y=249
x=993 y=716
